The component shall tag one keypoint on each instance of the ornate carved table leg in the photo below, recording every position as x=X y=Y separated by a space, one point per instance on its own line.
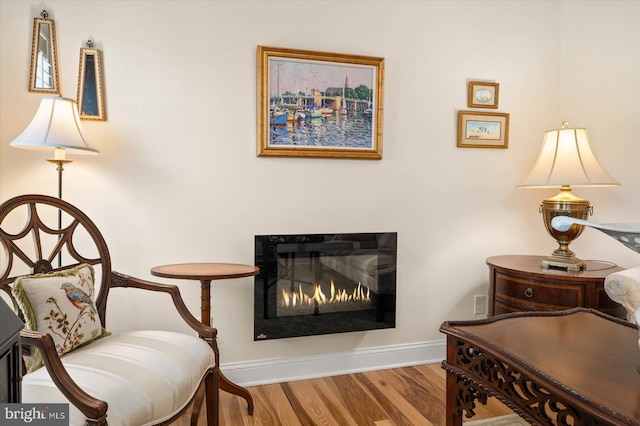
x=225 y=384
x=228 y=386
x=454 y=410
x=205 y=301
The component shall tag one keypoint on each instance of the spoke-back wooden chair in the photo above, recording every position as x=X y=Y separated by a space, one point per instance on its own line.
x=31 y=243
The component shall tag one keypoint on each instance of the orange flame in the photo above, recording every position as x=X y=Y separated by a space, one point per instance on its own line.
x=293 y=299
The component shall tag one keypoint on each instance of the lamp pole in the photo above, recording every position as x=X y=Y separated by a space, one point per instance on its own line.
x=60 y=160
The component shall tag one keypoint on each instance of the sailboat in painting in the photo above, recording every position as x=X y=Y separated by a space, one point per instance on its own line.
x=343 y=107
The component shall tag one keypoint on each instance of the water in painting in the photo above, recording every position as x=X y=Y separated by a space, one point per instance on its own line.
x=317 y=104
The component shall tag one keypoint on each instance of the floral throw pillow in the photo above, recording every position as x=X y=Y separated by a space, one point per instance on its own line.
x=60 y=304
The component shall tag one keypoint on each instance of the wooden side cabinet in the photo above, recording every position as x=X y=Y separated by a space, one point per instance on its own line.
x=10 y=362
x=518 y=283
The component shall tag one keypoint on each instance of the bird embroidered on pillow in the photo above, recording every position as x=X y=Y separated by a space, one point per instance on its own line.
x=60 y=304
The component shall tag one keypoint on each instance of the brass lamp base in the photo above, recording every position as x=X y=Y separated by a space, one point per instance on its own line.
x=564 y=204
x=571 y=263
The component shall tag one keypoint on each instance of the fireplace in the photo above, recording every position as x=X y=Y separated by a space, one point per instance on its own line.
x=315 y=284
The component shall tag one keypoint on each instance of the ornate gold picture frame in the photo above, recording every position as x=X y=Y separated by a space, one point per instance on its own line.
x=43 y=72
x=482 y=94
x=478 y=129
x=318 y=104
x=90 y=93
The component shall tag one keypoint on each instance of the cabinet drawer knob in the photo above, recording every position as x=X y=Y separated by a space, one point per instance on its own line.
x=528 y=292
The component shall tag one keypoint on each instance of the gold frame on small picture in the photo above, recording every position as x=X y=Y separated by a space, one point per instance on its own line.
x=483 y=94
x=90 y=91
x=479 y=129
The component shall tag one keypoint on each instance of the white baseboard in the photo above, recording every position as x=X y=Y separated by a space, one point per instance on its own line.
x=263 y=372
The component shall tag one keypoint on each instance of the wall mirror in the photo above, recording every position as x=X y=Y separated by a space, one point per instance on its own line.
x=90 y=93
x=44 y=57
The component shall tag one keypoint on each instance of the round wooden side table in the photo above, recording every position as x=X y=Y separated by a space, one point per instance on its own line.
x=205 y=273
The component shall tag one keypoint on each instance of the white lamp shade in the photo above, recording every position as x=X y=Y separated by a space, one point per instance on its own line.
x=55 y=125
x=566 y=160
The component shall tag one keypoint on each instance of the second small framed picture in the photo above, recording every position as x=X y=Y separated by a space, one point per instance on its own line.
x=483 y=129
x=483 y=94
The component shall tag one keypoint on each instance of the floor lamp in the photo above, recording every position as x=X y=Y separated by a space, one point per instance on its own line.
x=56 y=126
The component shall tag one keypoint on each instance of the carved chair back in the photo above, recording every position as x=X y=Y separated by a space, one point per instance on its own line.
x=40 y=234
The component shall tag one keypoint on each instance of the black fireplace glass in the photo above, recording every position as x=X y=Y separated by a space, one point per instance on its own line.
x=313 y=284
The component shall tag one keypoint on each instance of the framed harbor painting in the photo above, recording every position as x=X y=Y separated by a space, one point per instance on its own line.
x=318 y=104
x=483 y=129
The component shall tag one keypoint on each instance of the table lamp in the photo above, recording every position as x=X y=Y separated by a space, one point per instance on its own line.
x=56 y=126
x=566 y=161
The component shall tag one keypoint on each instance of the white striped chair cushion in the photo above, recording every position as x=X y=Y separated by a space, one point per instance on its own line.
x=144 y=376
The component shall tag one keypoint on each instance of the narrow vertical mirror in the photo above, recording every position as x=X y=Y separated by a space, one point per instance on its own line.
x=90 y=93
x=44 y=56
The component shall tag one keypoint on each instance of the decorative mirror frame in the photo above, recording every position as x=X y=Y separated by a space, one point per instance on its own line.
x=90 y=95
x=37 y=46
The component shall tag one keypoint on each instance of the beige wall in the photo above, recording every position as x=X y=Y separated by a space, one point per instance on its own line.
x=178 y=180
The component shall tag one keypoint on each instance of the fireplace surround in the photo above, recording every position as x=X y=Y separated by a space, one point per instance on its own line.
x=312 y=284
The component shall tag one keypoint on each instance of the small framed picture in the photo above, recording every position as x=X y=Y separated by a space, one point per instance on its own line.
x=483 y=129
x=483 y=94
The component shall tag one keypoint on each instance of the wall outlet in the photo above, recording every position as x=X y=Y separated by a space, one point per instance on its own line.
x=479 y=304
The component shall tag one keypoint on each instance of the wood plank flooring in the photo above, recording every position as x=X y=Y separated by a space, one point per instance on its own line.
x=398 y=397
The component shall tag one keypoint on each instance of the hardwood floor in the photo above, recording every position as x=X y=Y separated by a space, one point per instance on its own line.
x=402 y=396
